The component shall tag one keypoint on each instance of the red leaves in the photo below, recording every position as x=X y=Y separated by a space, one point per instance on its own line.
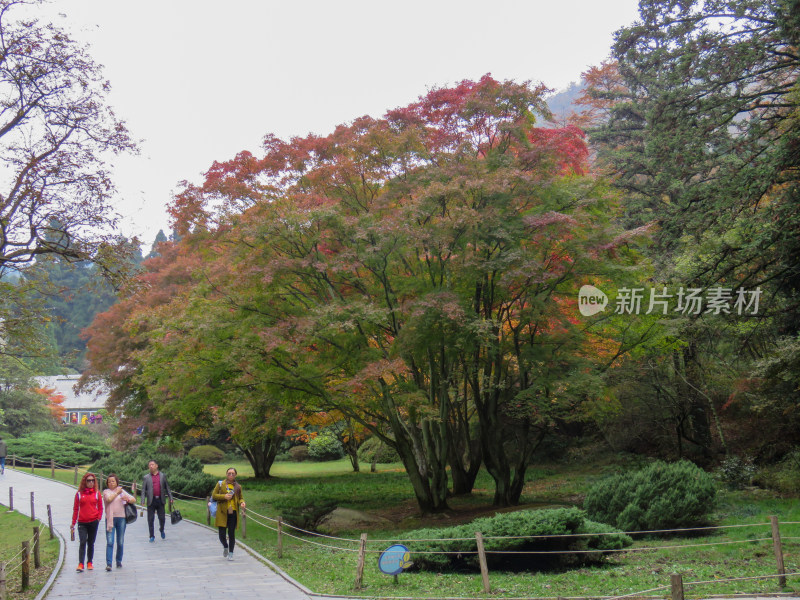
x=566 y=146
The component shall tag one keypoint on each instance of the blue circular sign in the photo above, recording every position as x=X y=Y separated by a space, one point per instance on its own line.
x=394 y=559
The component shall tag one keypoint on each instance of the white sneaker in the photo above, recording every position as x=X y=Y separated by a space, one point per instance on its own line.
x=230 y=556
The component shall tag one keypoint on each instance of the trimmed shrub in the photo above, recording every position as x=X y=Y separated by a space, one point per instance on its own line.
x=510 y=526
x=207 y=454
x=298 y=453
x=73 y=446
x=325 y=447
x=374 y=448
x=304 y=513
x=184 y=474
x=660 y=496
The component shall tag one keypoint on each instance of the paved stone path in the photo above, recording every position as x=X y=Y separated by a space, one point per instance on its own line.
x=187 y=565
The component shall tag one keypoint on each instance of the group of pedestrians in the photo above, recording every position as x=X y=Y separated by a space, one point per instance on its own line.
x=89 y=506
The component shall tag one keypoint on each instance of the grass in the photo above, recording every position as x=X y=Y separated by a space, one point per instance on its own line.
x=14 y=529
x=388 y=494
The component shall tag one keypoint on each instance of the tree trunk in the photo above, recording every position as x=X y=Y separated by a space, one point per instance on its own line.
x=423 y=452
x=262 y=454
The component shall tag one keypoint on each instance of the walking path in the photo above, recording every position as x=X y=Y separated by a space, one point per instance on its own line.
x=188 y=564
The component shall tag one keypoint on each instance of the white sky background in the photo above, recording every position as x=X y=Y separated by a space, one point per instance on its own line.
x=199 y=81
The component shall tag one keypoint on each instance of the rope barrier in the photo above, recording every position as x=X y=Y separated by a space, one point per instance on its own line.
x=640 y=593
x=739 y=579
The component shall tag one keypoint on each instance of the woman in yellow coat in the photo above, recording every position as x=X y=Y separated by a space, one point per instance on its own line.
x=228 y=496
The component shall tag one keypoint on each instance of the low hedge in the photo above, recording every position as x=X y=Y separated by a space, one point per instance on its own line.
x=72 y=446
x=375 y=449
x=207 y=454
x=660 y=496
x=518 y=531
x=185 y=474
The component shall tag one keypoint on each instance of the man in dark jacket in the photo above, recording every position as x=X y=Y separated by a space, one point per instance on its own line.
x=155 y=491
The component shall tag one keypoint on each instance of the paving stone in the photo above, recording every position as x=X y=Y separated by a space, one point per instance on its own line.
x=187 y=565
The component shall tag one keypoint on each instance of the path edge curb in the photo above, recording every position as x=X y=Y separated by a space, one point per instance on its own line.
x=56 y=569
x=258 y=556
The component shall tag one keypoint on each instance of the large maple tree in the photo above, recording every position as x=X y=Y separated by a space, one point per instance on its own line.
x=416 y=274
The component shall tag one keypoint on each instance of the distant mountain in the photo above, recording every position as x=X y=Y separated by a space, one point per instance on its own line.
x=562 y=103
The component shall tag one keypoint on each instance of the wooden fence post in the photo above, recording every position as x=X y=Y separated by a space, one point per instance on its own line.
x=26 y=565
x=482 y=559
x=36 y=562
x=52 y=468
x=50 y=521
x=75 y=480
x=676 y=583
x=14 y=461
x=244 y=523
x=10 y=498
x=362 y=551
x=33 y=516
x=32 y=464
x=208 y=510
x=776 y=544
x=3 y=581
x=280 y=537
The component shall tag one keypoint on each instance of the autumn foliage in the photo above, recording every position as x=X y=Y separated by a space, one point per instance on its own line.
x=406 y=276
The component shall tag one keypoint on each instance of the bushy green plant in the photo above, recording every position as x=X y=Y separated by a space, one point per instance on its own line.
x=660 y=496
x=784 y=476
x=736 y=472
x=516 y=531
x=298 y=453
x=69 y=447
x=207 y=454
x=374 y=449
x=325 y=447
x=305 y=513
x=184 y=474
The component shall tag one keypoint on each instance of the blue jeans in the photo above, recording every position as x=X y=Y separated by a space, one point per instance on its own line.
x=2 y=463
x=119 y=530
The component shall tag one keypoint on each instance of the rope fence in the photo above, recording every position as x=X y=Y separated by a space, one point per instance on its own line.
x=12 y=564
x=283 y=529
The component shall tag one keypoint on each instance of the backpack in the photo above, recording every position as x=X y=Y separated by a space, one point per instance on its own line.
x=212 y=506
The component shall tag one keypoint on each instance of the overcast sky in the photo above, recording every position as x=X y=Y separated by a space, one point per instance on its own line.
x=199 y=81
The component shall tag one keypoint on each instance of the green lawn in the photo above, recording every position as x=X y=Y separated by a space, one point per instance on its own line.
x=14 y=529
x=388 y=493
x=333 y=570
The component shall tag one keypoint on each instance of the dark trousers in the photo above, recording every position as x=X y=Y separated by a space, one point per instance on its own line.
x=87 y=532
x=155 y=506
x=230 y=542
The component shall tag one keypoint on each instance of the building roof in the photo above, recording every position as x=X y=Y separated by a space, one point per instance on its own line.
x=64 y=384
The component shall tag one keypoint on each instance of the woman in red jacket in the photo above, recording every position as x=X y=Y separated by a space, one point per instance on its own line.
x=87 y=512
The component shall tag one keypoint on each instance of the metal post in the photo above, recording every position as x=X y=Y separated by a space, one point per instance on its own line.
x=10 y=498
x=482 y=559
x=33 y=516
